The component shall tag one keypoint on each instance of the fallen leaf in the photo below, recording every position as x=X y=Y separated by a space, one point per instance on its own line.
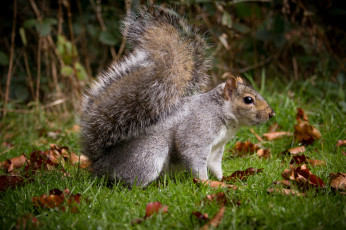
x=214 y=184
x=341 y=143
x=8 y=181
x=216 y=220
x=338 y=181
x=314 y=162
x=303 y=177
x=241 y=175
x=155 y=207
x=274 y=127
x=304 y=132
x=258 y=137
x=7 y=144
x=284 y=183
x=265 y=153
x=302 y=159
x=201 y=216
x=242 y=148
x=14 y=163
x=57 y=199
x=27 y=222
x=150 y=209
x=221 y=198
x=294 y=151
x=276 y=135
x=285 y=191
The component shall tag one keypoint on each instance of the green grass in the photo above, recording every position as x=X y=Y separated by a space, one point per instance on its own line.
x=114 y=207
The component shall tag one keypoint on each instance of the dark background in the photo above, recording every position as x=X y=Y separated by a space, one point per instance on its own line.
x=50 y=50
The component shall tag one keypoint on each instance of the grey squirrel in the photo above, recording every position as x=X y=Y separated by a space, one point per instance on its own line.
x=147 y=115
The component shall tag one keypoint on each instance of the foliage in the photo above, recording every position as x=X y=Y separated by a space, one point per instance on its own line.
x=59 y=46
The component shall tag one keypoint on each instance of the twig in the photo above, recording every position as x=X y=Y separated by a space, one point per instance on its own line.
x=128 y=4
x=38 y=77
x=98 y=11
x=31 y=84
x=9 y=74
x=256 y=135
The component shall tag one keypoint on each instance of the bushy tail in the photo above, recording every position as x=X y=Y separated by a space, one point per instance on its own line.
x=168 y=62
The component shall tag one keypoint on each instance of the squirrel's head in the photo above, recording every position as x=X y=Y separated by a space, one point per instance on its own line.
x=247 y=104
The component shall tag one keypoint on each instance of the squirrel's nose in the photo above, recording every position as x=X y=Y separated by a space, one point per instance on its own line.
x=271 y=114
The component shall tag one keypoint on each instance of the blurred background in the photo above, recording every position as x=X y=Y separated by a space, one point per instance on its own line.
x=51 y=50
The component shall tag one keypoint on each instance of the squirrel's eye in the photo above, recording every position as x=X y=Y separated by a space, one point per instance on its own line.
x=248 y=100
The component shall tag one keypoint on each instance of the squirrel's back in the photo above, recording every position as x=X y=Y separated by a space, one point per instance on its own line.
x=168 y=62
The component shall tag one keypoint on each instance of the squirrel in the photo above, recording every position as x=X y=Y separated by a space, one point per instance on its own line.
x=147 y=115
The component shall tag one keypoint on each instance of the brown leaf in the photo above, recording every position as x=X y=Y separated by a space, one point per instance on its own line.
x=338 y=181
x=303 y=177
x=214 y=184
x=284 y=183
x=57 y=199
x=216 y=220
x=74 y=129
x=221 y=198
x=302 y=159
x=304 y=132
x=301 y=116
x=201 y=216
x=155 y=207
x=265 y=153
x=7 y=144
x=8 y=181
x=241 y=175
x=274 y=127
x=285 y=191
x=341 y=143
x=258 y=137
x=246 y=147
x=14 y=163
x=314 y=162
x=295 y=151
x=276 y=135
x=27 y=222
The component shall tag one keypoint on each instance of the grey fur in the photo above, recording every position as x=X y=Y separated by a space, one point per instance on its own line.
x=146 y=86
x=146 y=115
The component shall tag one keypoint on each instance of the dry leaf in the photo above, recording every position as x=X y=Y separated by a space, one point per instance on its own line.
x=8 y=181
x=221 y=198
x=155 y=207
x=214 y=184
x=285 y=191
x=274 y=127
x=14 y=163
x=341 y=143
x=304 y=132
x=276 y=135
x=150 y=209
x=241 y=175
x=303 y=177
x=56 y=199
x=27 y=222
x=284 y=183
x=302 y=159
x=265 y=153
x=338 y=181
x=242 y=148
x=216 y=220
x=295 y=151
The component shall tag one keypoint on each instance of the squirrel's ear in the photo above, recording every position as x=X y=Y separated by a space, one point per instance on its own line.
x=240 y=80
x=230 y=87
